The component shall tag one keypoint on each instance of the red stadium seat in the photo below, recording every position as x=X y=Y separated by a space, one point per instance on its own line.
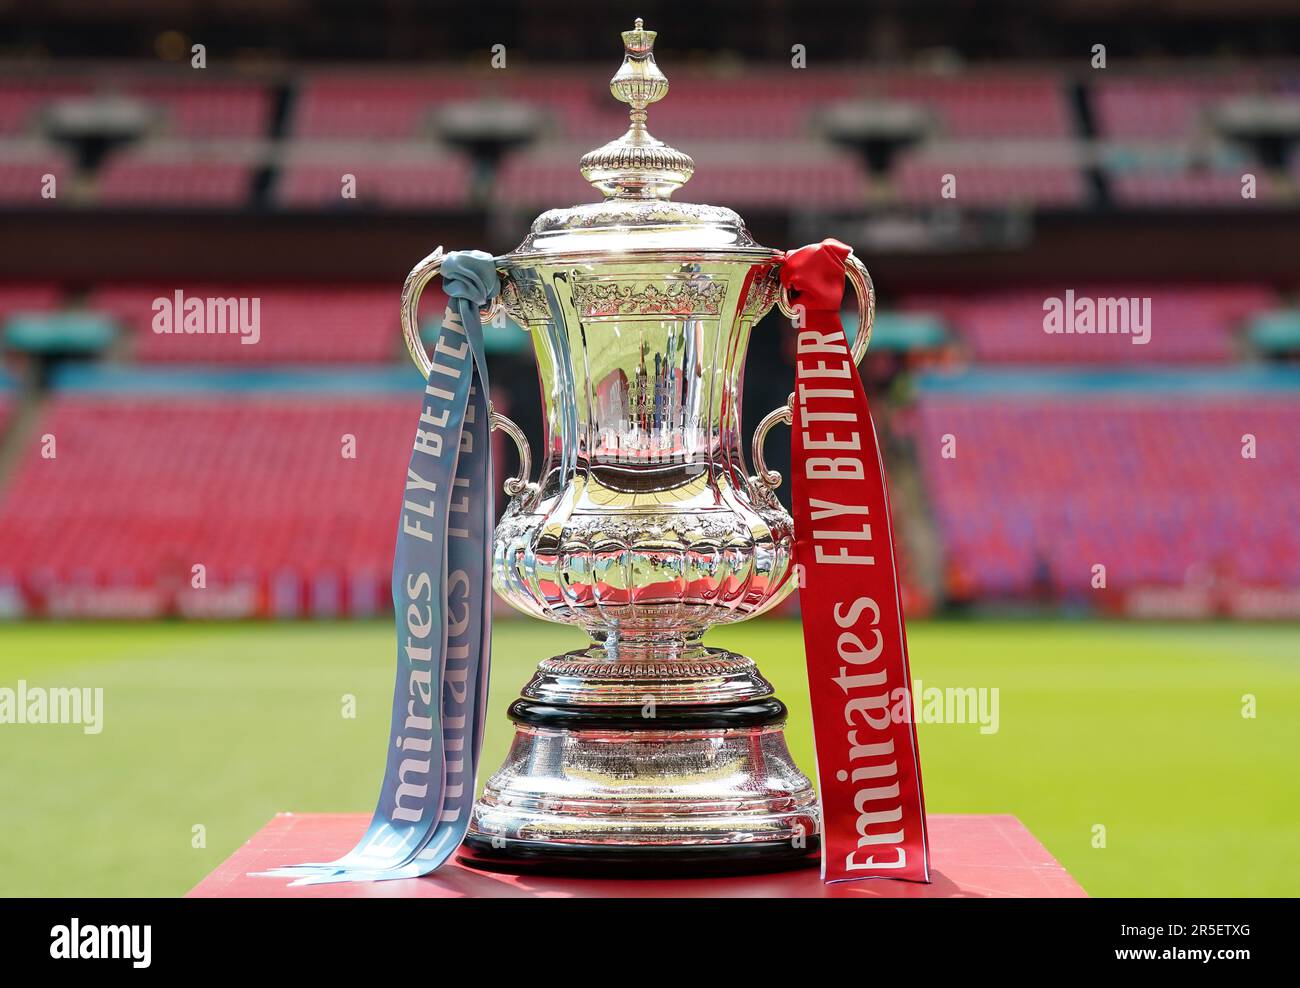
x=986 y=104
x=256 y=489
x=373 y=106
x=920 y=182
x=314 y=324
x=1189 y=324
x=727 y=175
x=27 y=296
x=190 y=108
x=201 y=109
x=442 y=182
x=132 y=178
x=1188 y=188
x=1156 y=489
x=22 y=176
x=1151 y=108
x=22 y=100
x=247 y=488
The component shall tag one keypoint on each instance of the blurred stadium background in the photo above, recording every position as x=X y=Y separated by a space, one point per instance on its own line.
x=1172 y=173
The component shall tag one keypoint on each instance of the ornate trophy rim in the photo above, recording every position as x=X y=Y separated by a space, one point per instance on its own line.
x=594 y=254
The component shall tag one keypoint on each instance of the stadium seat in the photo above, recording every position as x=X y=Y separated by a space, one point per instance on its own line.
x=206 y=110
x=23 y=99
x=1189 y=324
x=182 y=179
x=920 y=182
x=23 y=172
x=1153 y=487
x=213 y=481
x=309 y=324
x=1188 y=188
x=1161 y=107
x=27 y=296
x=285 y=493
x=989 y=104
x=372 y=106
x=726 y=175
x=311 y=180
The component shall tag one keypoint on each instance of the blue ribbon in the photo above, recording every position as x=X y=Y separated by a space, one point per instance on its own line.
x=442 y=597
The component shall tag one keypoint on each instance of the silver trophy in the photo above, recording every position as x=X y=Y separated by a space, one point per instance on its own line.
x=644 y=528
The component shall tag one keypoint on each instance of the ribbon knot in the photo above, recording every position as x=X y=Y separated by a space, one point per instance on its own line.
x=813 y=276
x=470 y=275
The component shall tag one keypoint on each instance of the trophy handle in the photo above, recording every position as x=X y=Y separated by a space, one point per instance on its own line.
x=517 y=484
x=860 y=278
x=420 y=276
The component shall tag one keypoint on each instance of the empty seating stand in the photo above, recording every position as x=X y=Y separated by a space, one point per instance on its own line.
x=23 y=171
x=27 y=296
x=188 y=178
x=1188 y=323
x=725 y=174
x=1156 y=107
x=1144 y=479
x=921 y=182
x=256 y=487
x=985 y=104
x=23 y=98
x=298 y=324
x=319 y=179
x=1190 y=188
x=368 y=106
x=206 y=110
x=208 y=139
x=283 y=486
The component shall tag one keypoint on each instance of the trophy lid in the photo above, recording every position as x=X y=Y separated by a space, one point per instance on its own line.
x=637 y=173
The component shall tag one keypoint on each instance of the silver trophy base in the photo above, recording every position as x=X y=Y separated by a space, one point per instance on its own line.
x=687 y=786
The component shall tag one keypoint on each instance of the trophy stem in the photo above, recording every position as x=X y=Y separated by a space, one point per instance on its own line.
x=652 y=646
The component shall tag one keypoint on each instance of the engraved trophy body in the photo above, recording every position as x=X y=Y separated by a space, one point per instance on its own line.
x=644 y=528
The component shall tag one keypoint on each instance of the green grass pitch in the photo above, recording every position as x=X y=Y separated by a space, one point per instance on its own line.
x=1136 y=728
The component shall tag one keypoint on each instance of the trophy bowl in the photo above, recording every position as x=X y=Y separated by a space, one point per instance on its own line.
x=644 y=527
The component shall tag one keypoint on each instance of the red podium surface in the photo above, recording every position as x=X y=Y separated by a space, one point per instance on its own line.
x=971 y=857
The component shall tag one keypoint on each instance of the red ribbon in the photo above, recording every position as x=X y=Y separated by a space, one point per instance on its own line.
x=873 y=807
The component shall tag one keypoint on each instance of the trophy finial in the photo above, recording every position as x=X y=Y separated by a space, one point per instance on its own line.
x=639 y=81
x=637 y=166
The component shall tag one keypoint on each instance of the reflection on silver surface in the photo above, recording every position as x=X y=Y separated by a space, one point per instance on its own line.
x=644 y=522
x=648 y=787
x=644 y=526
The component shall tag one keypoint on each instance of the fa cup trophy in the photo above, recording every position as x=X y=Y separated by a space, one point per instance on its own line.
x=644 y=527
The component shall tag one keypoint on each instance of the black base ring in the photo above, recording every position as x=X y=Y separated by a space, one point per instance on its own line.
x=754 y=713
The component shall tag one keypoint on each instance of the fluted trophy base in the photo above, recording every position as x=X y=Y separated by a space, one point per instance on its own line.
x=669 y=784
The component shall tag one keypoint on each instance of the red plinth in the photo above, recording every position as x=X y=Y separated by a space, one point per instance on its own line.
x=972 y=856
